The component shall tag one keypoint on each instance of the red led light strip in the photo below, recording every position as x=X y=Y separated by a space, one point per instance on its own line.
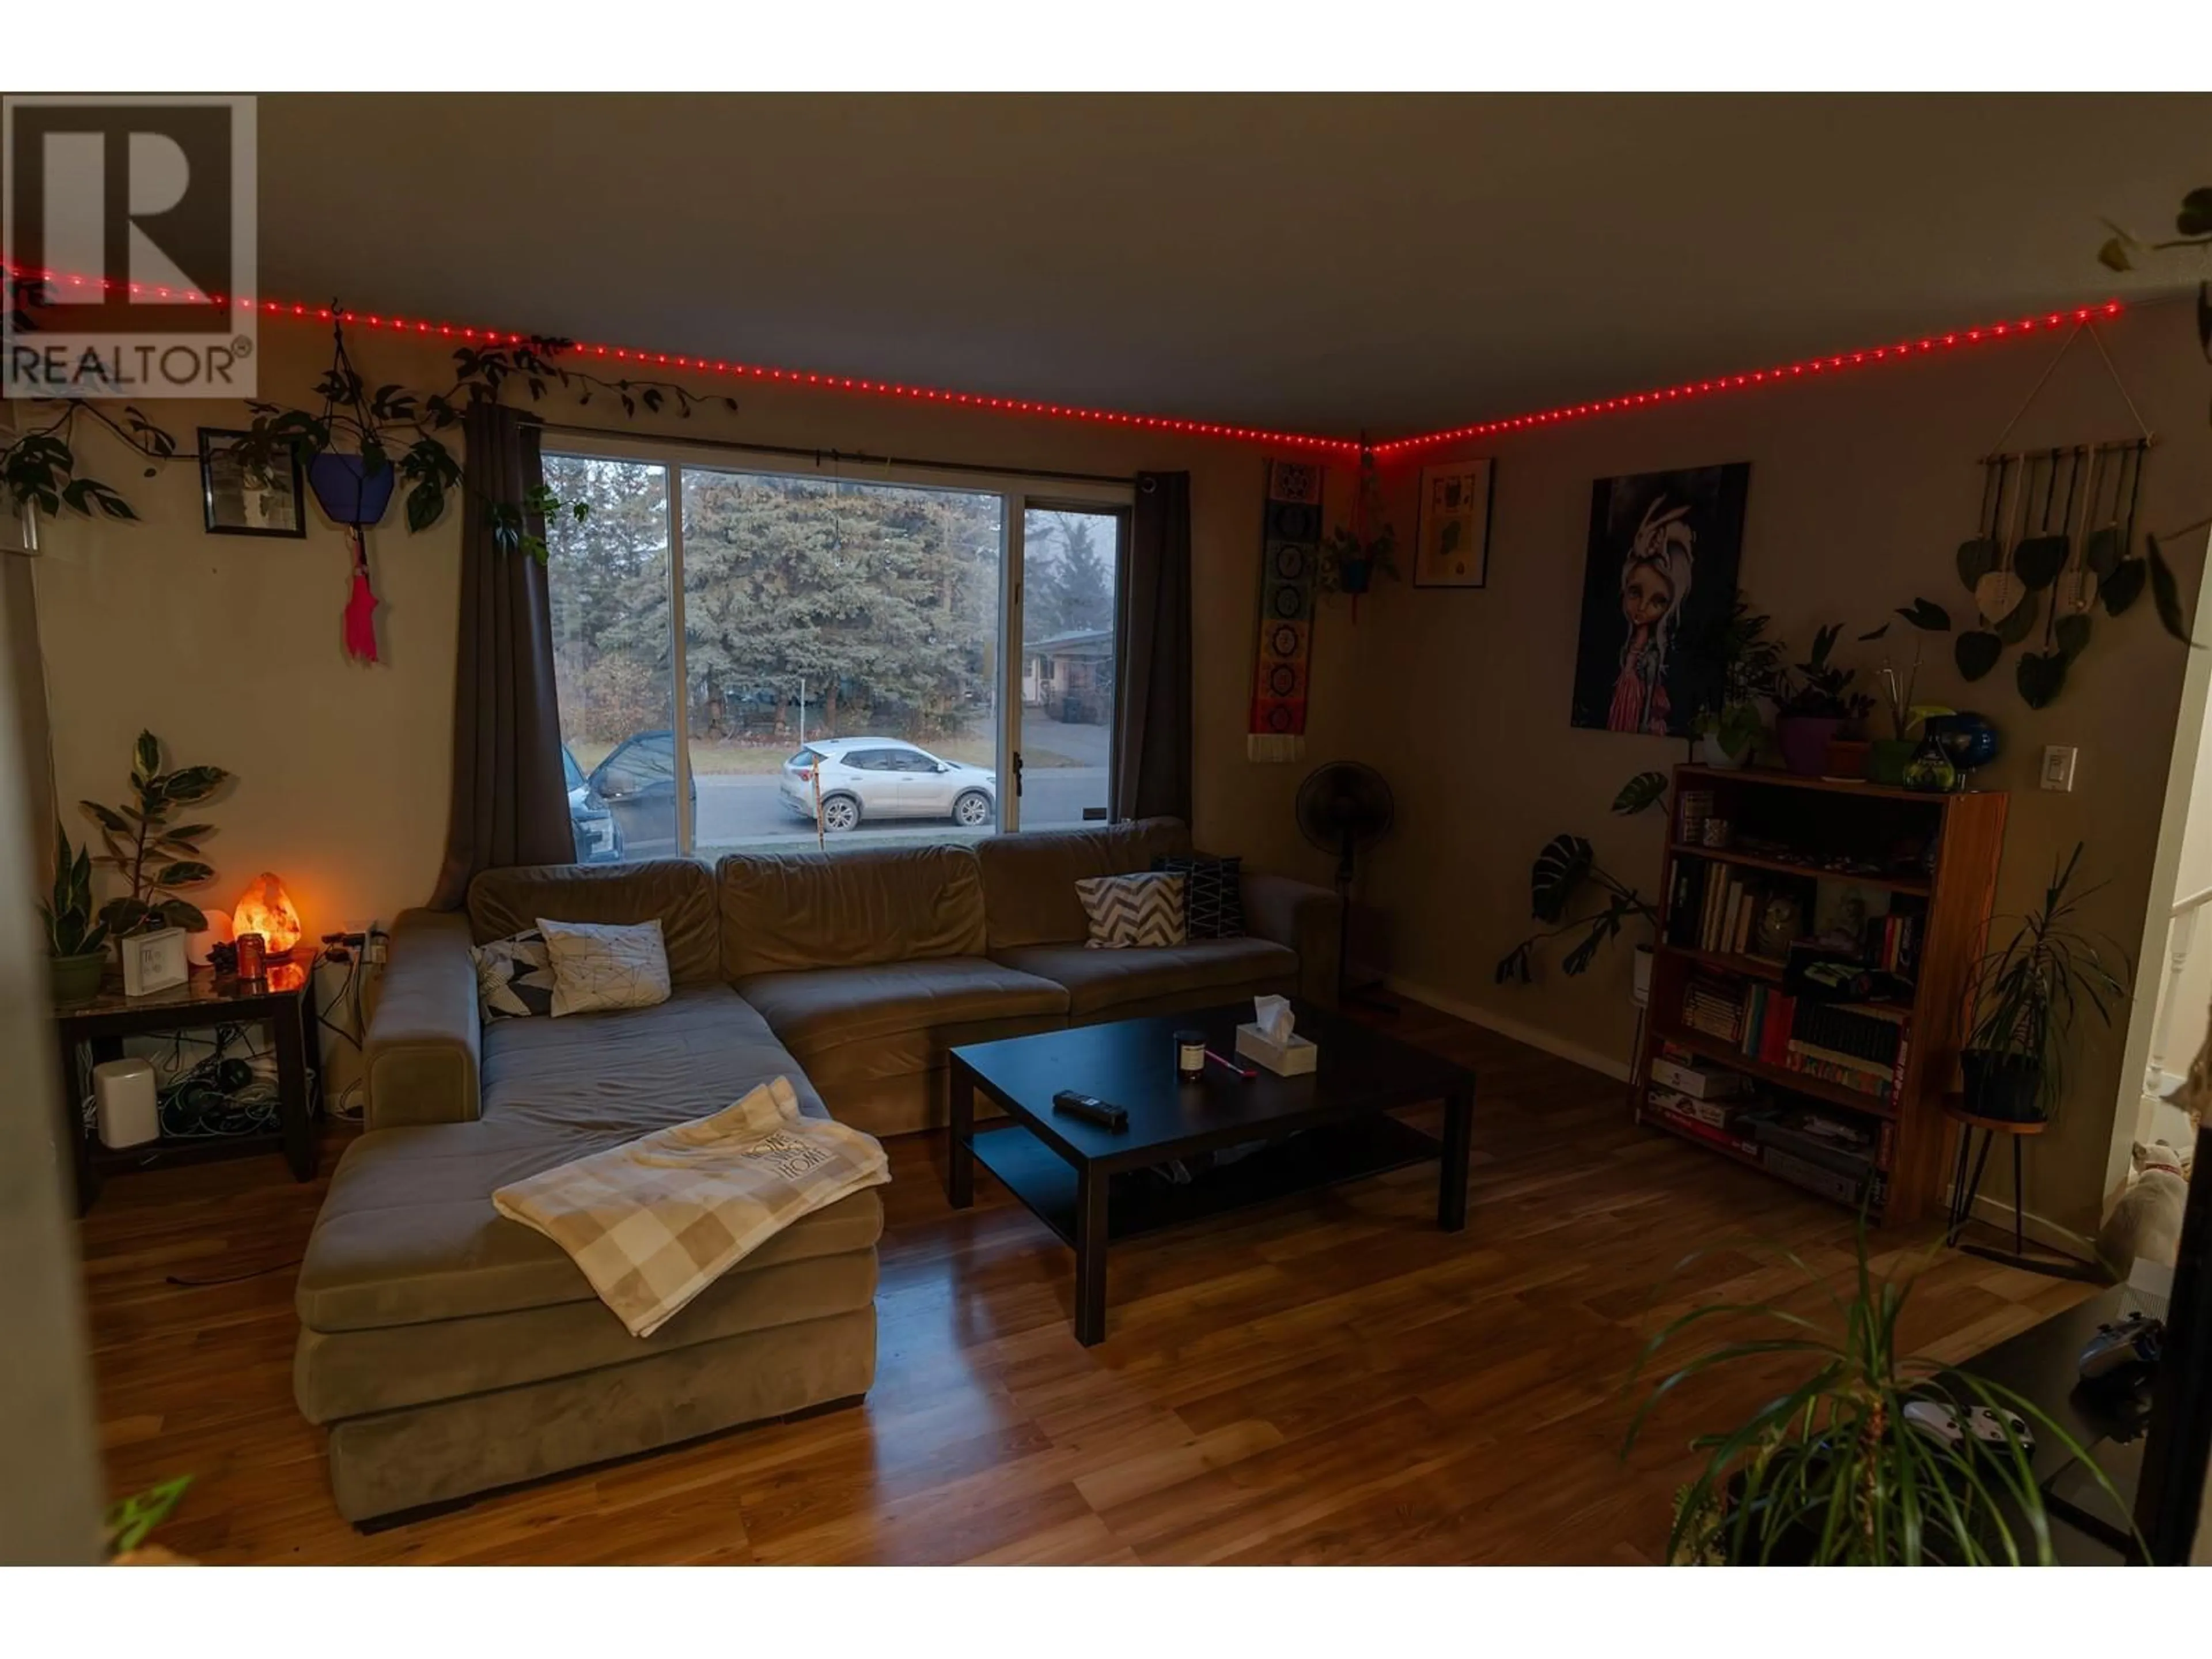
x=1925 y=346
x=628 y=356
x=621 y=355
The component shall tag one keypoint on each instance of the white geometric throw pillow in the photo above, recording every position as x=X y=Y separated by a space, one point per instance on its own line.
x=597 y=966
x=514 y=977
x=1142 y=909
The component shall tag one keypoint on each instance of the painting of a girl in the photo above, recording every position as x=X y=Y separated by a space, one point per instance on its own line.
x=1661 y=571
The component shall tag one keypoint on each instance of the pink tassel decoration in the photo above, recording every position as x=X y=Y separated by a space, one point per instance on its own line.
x=361 y=609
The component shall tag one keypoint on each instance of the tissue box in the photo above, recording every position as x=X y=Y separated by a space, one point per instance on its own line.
x=1290 y=1059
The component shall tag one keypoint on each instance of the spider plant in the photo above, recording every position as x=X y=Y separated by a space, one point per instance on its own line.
x=2027 y=997
x=1831 y=1472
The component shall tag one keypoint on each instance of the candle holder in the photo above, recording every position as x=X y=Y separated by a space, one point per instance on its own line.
x=252 y=955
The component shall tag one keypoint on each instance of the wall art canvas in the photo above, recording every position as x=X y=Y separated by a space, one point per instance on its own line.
x=239 y=500
x=1659 y=578
x=1451 y=548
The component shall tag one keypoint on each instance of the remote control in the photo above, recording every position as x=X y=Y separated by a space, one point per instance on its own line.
x=1091 y=1110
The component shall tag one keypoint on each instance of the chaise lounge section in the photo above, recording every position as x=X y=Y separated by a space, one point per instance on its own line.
x=450 y=1351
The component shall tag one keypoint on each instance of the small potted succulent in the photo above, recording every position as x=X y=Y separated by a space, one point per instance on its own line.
x=2028 y=996
x=75 y=940
x=1817 y=706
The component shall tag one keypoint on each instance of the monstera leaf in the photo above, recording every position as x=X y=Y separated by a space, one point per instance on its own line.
x=1558 y=870
x=1977 y=652
x=1603 y=927
x=1646 y=789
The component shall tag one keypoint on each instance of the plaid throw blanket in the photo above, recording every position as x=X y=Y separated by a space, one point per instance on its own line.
x=654 y=1222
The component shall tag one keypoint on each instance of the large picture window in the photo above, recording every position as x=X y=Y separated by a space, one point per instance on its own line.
x=749 y=657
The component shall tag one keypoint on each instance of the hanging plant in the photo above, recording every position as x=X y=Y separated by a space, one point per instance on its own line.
x=1350 y=559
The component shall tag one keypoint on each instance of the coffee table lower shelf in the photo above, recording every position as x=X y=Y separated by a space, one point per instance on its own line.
x=1139 y=1201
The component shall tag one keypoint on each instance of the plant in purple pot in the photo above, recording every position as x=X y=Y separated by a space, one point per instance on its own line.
x=1817 y=704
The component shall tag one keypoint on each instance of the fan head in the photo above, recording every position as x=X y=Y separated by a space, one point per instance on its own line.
x=1344 y=806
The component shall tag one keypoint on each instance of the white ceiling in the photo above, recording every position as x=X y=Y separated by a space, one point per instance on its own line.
x=1316 y=263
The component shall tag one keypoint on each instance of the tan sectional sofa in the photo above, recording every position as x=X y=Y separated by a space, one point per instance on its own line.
x=450 y=1351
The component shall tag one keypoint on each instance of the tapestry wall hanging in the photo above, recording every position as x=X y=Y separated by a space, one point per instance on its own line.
x=1290 y=568
x=1659 y=577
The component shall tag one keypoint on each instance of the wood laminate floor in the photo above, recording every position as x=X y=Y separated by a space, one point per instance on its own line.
x=1324 y=1380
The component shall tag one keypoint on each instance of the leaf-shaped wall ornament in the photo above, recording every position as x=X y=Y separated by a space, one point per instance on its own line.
x=2038 y=561
x=2124 y=586
x=2041 y=677
x=2166 y=593
x=2021 y=622
x=1976 y=653
x=1998 y=594
x=2071 y=633
x=2104 y=550
x=2076 y=591
x=1976 y=558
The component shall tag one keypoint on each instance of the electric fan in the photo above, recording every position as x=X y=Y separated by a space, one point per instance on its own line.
x=1344 y=808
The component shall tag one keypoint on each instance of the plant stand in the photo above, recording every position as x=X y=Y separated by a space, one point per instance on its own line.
x=1964 y=1188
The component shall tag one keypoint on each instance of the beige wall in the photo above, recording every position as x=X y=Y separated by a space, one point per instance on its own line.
x=228 y=647
x=1861 y=488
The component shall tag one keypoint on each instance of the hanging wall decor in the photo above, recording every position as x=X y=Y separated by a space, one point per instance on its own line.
x=1452 y=545
x=1290 y=566
x=1659 y=577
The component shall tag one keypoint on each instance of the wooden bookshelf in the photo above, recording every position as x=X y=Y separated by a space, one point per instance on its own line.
x=1935 y=856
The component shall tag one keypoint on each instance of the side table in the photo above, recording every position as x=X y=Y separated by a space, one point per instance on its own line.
x=1964 y=1190
x=283 y=1001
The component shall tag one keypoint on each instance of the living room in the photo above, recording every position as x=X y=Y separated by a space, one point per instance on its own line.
x=1077 y=734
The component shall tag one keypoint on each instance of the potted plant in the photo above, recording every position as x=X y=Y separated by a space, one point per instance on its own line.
x=154 y=855
x=76 y=941
x=1831 y=1471
x=2027 y=997
x=1817 y=705
x=1888 y=757
x=1729 y=727
x=1567 y=869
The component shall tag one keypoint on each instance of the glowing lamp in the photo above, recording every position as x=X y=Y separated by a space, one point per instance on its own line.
x=265 y=908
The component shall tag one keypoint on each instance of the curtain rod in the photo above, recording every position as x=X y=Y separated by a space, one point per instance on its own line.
x=853 y=458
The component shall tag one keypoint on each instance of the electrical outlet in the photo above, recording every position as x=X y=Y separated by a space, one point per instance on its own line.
x=2058 y=768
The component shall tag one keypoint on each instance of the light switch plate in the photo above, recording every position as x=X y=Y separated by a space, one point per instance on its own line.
x=2058 y=768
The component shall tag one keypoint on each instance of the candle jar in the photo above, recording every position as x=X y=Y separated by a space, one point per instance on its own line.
x=252 y=955
x=1190 y=1055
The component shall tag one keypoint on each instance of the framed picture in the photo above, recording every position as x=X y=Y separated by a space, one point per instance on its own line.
x=1451 y=543
x=241 y=500
x=1658 y=580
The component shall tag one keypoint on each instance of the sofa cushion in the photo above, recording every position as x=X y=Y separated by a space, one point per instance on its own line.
x=600 y=968
x=680 y=892
x=781 y=912
x=844 y=1024
x=1029 y=879
x=1099 y=979
x=514 y=977
x=1143 y=908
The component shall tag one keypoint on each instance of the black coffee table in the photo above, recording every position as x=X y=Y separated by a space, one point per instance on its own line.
x=1092 y=1185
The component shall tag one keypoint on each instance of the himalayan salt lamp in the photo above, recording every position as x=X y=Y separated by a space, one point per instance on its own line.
x=265 y=908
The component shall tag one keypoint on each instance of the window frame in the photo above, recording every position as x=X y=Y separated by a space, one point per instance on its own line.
x=1020 y=494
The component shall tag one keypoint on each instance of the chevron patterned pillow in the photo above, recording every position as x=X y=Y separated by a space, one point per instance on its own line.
x=514 y=977
x=1213 y=904
x=1140 y=909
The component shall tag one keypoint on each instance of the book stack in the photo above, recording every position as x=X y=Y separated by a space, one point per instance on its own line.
x=1714 y=1008
x=1897 y=947
x=1768 y=1013
x=1717 y=908
x=1858 y=1045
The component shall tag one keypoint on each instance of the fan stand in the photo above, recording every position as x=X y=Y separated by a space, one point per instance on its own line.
x=1349 y=995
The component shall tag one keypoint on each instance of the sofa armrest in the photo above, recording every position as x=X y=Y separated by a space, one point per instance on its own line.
x=1304 y=917
x=425 y=1042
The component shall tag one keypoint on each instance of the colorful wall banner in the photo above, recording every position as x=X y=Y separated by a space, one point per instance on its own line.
x=1290 y=574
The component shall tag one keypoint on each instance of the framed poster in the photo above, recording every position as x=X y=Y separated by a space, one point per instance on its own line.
x=1658 y=577
x=240 y=498
x=1451 y=543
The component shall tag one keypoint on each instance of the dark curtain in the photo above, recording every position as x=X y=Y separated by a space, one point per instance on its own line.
x=510 y=799
x=1151 y=747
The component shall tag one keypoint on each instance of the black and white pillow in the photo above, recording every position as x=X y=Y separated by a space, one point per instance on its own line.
x=514 y=977
x=1140 y=910
x=1213 y=894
